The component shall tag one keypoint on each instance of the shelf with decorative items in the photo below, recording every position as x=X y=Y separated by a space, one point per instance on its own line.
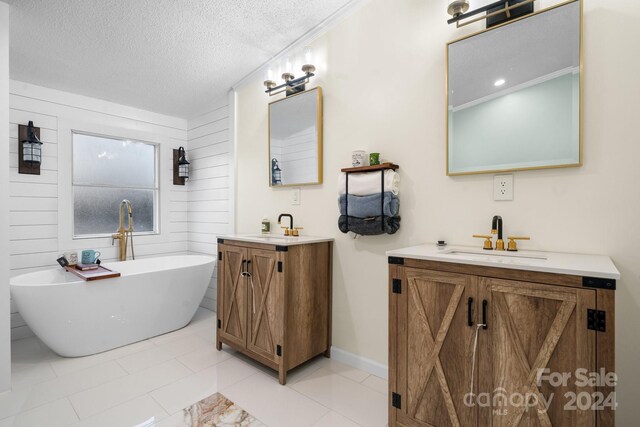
x=368 y=200
x=373 y=168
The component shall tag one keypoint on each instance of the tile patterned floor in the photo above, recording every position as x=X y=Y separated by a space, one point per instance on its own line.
x=158 y=378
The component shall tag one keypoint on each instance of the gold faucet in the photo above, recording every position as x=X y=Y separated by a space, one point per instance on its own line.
x=496 y=228
x=123 y=235
x=288 y=231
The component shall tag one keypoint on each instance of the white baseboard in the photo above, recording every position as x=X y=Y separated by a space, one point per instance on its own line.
x=362 y=363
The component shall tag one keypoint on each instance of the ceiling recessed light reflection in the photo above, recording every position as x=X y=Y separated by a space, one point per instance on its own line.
x=499 y=82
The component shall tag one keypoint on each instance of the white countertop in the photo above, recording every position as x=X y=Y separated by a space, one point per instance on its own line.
x=599 y=266
x=276 y=239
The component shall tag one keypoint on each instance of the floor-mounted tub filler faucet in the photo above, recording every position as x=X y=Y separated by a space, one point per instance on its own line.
x=124 y=234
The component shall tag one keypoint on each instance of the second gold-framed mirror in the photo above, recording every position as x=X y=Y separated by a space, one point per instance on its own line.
x=514 y=94
x=295 y=139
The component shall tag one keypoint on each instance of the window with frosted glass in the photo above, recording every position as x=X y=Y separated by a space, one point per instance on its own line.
x=107 y=170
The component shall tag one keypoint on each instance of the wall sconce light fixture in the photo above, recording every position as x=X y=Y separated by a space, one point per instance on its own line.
x=291 y=85
x=29 y=149
x=496 y=13
x=180 y=167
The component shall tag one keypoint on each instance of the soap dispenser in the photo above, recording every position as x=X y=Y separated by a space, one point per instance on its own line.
x=266 y=226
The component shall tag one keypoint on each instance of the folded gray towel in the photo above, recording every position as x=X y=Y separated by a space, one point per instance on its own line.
x=369 y=226
x=368 y=206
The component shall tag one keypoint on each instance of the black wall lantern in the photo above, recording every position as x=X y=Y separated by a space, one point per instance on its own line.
x=180 y=167
x=29 y=149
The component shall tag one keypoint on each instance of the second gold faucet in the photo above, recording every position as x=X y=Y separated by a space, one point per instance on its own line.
x=496 y=228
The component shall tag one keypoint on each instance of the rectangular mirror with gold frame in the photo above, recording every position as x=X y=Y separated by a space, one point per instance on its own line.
x=295 y=139
x=514 y=94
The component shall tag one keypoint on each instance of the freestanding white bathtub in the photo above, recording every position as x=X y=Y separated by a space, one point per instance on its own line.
x=77 y=318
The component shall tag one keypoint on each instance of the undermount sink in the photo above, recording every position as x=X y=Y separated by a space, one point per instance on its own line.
x=268 y=237
x=497 y=256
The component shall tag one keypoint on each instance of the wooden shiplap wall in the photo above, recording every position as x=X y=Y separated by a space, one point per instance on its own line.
x=34 y=242
x=210 y=198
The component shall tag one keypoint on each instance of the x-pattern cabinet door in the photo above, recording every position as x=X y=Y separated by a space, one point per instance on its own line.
x=531 y=328
x=265 y=303
x=433 y=349
x=232 y=304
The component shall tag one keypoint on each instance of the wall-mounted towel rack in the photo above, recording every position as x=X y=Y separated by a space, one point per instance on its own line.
x=381 y=168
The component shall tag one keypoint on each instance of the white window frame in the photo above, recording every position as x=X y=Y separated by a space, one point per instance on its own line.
x=66 y=127
x=156 y=195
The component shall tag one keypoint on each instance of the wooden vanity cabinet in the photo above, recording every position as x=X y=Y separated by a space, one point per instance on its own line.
x=533 y=321
x=274 y=302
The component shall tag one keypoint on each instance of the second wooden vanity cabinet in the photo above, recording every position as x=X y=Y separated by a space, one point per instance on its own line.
x=274 y=302
x=534 y=322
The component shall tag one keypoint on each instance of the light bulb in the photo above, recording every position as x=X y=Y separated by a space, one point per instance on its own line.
x=308 y=68
x=287 y=66
x=269 y=74
x=307 y=55
x=499 y=82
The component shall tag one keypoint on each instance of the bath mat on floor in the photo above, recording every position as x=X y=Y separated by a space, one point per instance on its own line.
x=218 y=411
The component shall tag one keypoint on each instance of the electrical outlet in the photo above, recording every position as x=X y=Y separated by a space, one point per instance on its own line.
x=503 y=187
x=295 y=196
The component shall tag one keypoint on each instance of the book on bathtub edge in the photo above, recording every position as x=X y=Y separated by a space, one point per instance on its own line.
x=85 y=267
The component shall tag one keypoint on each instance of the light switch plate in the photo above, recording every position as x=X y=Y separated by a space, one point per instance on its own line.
x=295 y=196
x=503 y=187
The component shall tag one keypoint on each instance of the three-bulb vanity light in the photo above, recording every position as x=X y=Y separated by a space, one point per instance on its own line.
x=291 y=85
x=497 y=12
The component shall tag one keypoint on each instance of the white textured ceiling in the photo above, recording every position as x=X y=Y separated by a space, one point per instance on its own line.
x=168 y=56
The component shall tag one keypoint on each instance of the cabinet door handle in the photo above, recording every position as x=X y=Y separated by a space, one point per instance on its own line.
x=470 y=311
x=244 y=268
x=253 y=295
x=484 y=314
x=253 y=290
